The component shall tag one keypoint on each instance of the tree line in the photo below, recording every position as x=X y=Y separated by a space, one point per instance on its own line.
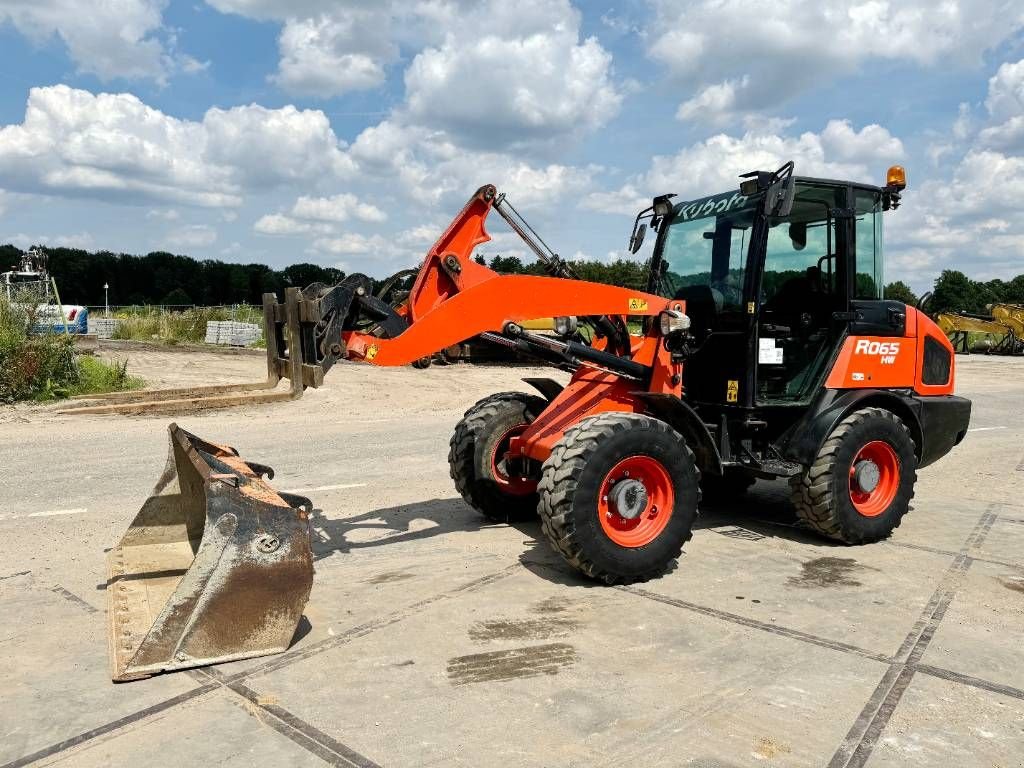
x=165 y=278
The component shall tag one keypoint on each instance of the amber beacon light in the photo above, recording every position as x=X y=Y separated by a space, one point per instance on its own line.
x=896 y=177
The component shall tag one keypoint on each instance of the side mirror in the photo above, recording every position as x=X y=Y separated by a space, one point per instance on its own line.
x=637 y=238
x=798 y=234
x=785 y=199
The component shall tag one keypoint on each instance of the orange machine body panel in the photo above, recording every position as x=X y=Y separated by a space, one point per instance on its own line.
x=891 y=362
x=592 y=391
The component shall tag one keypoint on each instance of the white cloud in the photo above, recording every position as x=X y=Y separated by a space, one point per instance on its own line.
x=715 y=105
x=714 y=165
x=519 y=74
x=340 y=207
x=430 y=168
x=353 y=243
x=192 y=236
x=167 y=214
x=1006 y=91
x=270 y=146
x=970 y=219
x=785 y=47
x=115 y=147
x=109 y=39
x=335 y=53
x=82 y=240
x=317 y=215
x=279 y=224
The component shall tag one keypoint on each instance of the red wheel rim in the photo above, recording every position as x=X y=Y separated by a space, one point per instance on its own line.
x=650 y=520
x=875 y=501
x=510 y=484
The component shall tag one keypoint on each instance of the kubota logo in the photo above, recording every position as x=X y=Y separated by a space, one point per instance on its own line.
x=886 y=349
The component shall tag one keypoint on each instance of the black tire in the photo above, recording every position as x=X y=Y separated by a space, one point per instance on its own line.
x=573 y=477
x=473 y=446
x=423 y=362
x=822 y=494
x=722 y=489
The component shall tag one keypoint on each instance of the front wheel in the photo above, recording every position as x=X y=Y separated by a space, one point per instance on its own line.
x=618 y=497
x=862 y=481
x=502 y=491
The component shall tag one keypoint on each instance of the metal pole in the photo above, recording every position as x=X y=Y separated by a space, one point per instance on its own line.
x=60 y=306
x=106 y=301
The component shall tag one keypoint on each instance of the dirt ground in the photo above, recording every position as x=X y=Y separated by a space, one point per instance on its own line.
x=433 y=638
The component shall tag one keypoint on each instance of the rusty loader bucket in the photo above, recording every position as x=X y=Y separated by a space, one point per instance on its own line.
x=215 y=567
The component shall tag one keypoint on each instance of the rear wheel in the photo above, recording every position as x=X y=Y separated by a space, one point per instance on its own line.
x=499 y=490
x=618 y=497
x=862 y=481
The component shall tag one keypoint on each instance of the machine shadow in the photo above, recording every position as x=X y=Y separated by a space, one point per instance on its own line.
x=392 y=525
x=764 y=512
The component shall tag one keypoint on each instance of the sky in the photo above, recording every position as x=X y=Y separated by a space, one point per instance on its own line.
x=349 y=133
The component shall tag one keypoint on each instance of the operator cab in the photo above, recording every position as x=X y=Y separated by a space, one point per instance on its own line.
x=770 y=285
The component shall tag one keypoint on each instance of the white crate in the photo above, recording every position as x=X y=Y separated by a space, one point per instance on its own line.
x=103 y=327
x=231 y=333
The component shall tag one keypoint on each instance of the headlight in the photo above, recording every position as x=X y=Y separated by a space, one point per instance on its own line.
x=673 y=321
x=565 y=326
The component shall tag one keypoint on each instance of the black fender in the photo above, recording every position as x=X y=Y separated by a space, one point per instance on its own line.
x=684 y=420
x=802 y=441
x=547 y=387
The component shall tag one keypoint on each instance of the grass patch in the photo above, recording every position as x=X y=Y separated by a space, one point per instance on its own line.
x=46 y=366
x=96 y=376
x=185 y=327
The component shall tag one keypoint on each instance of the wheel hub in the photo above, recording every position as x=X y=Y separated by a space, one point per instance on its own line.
x=628 y=499
x=866 y=475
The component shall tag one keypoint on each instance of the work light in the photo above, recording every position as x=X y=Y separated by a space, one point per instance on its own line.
x=673 y=321
x=565 y=326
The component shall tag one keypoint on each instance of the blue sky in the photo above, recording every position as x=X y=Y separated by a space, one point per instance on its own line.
x=348 y=133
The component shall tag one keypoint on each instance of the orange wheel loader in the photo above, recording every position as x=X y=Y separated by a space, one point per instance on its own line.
x=762 y=348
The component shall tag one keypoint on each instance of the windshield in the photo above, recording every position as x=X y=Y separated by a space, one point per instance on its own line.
x=705 y=249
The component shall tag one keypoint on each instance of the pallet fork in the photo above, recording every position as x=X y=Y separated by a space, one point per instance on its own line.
x=284 y=361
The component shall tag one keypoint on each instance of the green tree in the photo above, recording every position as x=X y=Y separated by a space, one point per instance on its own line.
x=1014 y=293
x=956 y=292
x=177 y=297
x=10 y=256
x=900 y=291
x=507 y=265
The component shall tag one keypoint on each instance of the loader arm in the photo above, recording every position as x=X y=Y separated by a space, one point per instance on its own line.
x=452 y=299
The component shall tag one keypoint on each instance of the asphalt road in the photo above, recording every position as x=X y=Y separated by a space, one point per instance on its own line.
x=433 y=638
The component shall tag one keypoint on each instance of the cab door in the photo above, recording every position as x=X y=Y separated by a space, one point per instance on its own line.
x=803 y=294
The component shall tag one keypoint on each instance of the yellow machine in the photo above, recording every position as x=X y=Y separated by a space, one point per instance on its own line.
x=991 y=335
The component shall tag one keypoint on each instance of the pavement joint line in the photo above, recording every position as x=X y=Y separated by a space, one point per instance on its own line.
x=338 y=487
x=292 y=727
x=112 y=726
x=884 y=690
x=970 y=680
x=856 y=748
x=951 y=553
x=226 y=680
x=361 y=630
x=793 y=634
x=783 y=631
x=45 y=513
x=72 y=597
